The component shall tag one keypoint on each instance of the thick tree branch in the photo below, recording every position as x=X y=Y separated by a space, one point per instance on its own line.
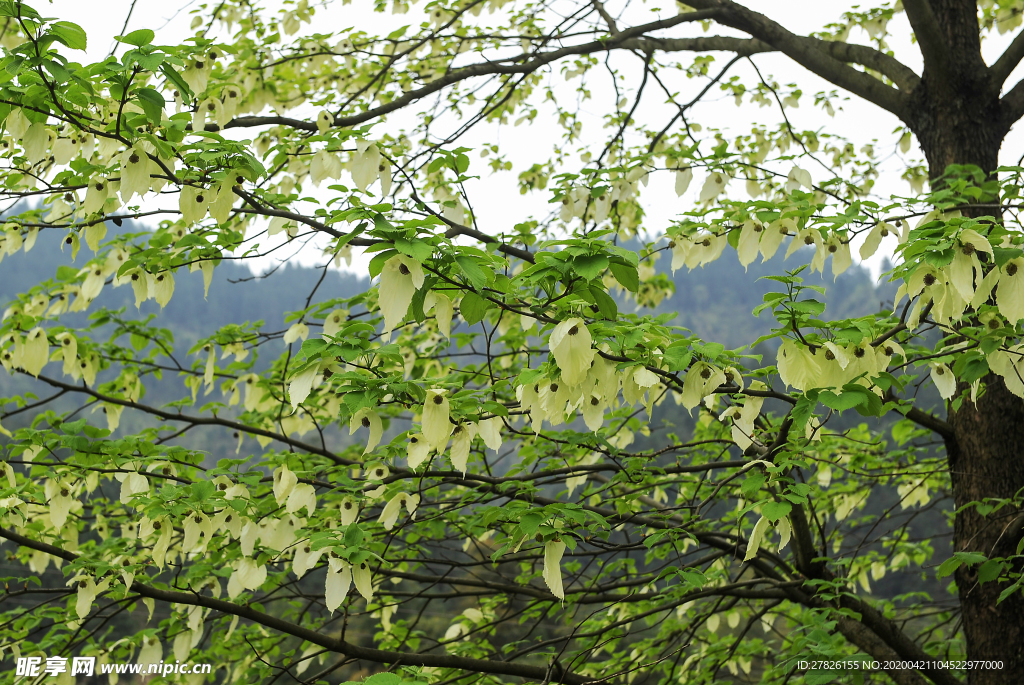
x=824 y=57
x=459 y=229
x=929 y=36
x=890 y=67
x=864 y=638
x=932 y=423
x=898 y=640
x=380 y=656
x=613 y=28
x=808 y=54
x=903 y=76
x=926 y=420
x=515 y=66
x=1012 y=105
x=1007 y=62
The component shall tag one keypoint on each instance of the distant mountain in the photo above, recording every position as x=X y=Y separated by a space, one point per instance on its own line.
x=235 y=296
x=716 y=301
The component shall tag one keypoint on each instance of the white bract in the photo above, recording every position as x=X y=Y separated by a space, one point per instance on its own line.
x=443 y=310
x=88 y=590
x=572 y=347
x=754 y=544
x=682 y=180
x=553 y=550
x=436 y=426
x=418 y=450
x=713 y=186
x=462 y=440
x=389 y=514
x=367 y=418
x=339 y=580
x=400 y=278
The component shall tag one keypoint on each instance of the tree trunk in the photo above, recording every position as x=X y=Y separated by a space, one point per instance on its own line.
x=986 y=461
x=958 y=120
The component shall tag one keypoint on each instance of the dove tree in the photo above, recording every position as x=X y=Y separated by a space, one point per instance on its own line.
x=507 y=503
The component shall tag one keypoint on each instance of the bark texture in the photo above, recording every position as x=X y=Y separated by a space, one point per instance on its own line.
x=955 y=110
x=987 y=460
x=958 y=119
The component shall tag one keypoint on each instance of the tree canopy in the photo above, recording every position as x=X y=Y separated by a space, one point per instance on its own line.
x=501 y=459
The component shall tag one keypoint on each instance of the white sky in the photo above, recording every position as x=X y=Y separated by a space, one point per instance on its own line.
x=495 y=200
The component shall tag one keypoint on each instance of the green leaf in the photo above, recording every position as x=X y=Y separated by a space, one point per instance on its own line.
x=803 y=410
x=626 y=276
x=72 y=427
x=17 y=9
x=605 y=303
x=377 y=263
x=473 y=271
x=152 y=103
x=353 y=536
x=712 y=350
x=1005 y=254
x=530 y=522
x=474 y=307
x=847 y=400
x=773 y=511
x=313 y=347
x=383 y=679
x=138 y=38
x=990 y=570
x=1009 y=591
x=71 y=35
x=678 y=356
x=495 y=408
x=174 y=77
x=59 y=73
x=939 y=258
x=417 y=249
x=529 y=376
x=359 y=400
x=416 y=306
x=94 y=432
x=812 y=307
x=957 y=560
x=202 y=489
x=948 y=567
x=590 y=266
x=66 y=273
x=693 y=578
x=970 y=557
x=752 y=484
x=628 y=256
